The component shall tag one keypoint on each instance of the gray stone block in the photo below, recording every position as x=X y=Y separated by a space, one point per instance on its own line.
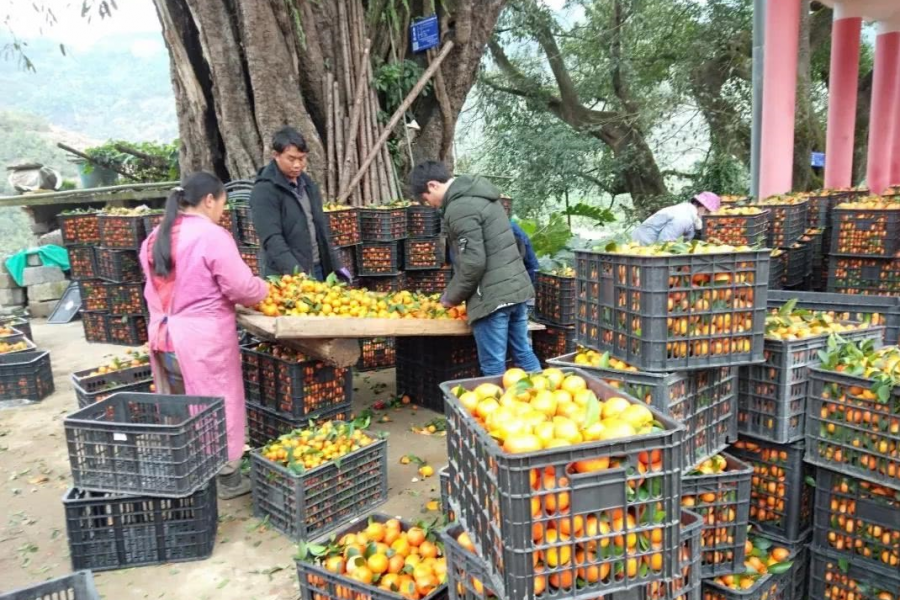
x=42 y=310
x=47 y=291
x=54 y=237
x=33 y=260
x=7 y=282
x=12 y=297
x=36 y=275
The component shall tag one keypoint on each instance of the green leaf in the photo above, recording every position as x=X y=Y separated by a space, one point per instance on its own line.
x=810 y=481
x=779 y=568
x=593 y=411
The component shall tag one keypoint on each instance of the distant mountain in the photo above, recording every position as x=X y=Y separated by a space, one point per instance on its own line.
x=118 y=88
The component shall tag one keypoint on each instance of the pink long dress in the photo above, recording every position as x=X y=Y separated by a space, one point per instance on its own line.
x=210 y=278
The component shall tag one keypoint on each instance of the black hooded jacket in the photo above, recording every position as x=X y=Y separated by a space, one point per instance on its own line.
x=282 y=228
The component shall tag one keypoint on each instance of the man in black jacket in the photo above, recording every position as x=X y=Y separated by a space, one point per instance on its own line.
x=287 y=212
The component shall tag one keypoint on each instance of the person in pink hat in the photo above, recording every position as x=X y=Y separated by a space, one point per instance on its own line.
x=679 y=221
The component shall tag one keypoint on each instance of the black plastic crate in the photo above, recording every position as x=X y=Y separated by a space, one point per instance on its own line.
x=737 y=229
x=245 y=231
x=88 y=388
x=126 y=299
x=384 y=284
x=423 y=221
x=303 y=388
x=343 y=223
x=786 y=585
x=251 y=255
x=665 y=313
x=152 y=220
x=126 y=330
x=878 y=311
x=841 y=431
x=376 y=353
x=776 y=270
x=858 y=518
x=79 y=228
x=865 y=232
x=424 y=254
x=864 y=276
x=495 y=499
x=379 y=258
x=77 y=586
x=118 y=266
x=444 y=477
x=94 y=324
x=382 y=225
x=552 y=342
x=787 y=221
x=434 y=281
x=20 y=324
x=820 y=207
x=251 y=373
x=798 y=264
x=554 y=300
x=467 y=575
x=147 y=444
x=94 y=295
x=122 y=232
x=705 y=402
x=26 y=376
x=421 y=380
x=317 y=582
x=841 y=576
x=112 y=531
x=265 y=425
x=723 y=502
x=9 y=343
x=82 y=263
x=438 y=351
x=784 y=514
x=306 y=506
x=348 y=258
x=772 y=396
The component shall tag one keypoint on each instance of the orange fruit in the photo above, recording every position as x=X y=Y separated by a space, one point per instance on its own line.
x=522 y=443
x=466 y=542
x=375 y=532
x=396 y=563
x=513 y=376
x=428 y=550
x=560 y=555
x=415 y=536
x=378 y=564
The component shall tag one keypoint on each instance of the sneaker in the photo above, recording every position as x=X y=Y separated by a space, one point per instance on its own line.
x=232 y=486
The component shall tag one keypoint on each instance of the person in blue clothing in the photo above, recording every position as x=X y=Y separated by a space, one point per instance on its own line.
x=526 y=250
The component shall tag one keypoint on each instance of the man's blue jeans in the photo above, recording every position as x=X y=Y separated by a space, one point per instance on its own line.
x=504 y=328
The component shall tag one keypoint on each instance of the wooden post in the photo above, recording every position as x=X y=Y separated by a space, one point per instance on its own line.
x=398 y=114
x=330 y=183
x=355 y=116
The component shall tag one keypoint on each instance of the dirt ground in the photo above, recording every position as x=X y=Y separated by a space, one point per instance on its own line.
x=249 y=561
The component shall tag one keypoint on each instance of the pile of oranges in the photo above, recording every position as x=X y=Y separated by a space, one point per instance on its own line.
x=301 y=296
x=6 y=348
x=304 y=449
x=672 y=248
x=789 y=324
x=552 y=410
x=132 y=358
x=407 y=561
x=591 y=358
x=761 y=559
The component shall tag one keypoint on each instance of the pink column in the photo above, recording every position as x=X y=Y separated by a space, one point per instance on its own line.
x=842 y=90
x=894 y=178
x=881 y=120
x=776 y=160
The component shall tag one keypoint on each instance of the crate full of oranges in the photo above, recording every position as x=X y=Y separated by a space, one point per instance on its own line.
x=673 y=306
x=311 y=481
x=770 y=571
x=548 y=459
x=739 y=225
x=378 y=558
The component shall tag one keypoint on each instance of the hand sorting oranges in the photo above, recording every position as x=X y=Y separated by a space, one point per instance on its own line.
x=551 y=410
x=300 y=296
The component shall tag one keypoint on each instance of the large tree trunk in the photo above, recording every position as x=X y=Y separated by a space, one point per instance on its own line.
x=241 y=70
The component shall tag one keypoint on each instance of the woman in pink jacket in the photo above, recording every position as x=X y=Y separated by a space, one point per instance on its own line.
x=195 y=277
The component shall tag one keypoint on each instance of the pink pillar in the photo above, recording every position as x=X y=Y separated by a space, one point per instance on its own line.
x=842 y=90
x=776 y=159
x=895 y=148
x=881 y=120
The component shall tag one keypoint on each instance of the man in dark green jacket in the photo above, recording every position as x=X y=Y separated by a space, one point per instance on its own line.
x=488 y=272
x=288 y=216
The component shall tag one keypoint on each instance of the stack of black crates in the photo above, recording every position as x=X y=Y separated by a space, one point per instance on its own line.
x=286 y=390
x=143 y=471
x=554 y=308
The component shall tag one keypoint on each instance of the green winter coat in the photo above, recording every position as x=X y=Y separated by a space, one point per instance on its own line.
x=488 y=271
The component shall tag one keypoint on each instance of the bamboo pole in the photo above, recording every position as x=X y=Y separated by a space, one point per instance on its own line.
x=401 y=110
x=330 y=183
x=338 y=128
x=345 y=50
x=355 y=117
x=373 y=174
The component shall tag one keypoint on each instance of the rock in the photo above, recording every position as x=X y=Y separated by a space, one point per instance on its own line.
x=53 y=290
x=12 y=297
x=7 y=282
x=33 y=260
x=35 y=275
x=42 y=310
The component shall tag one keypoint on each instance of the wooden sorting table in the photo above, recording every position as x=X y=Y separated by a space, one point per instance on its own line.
x=336 y=339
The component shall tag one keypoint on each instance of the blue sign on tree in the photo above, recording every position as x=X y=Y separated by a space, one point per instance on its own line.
x=425 y=34
x=817 y=160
